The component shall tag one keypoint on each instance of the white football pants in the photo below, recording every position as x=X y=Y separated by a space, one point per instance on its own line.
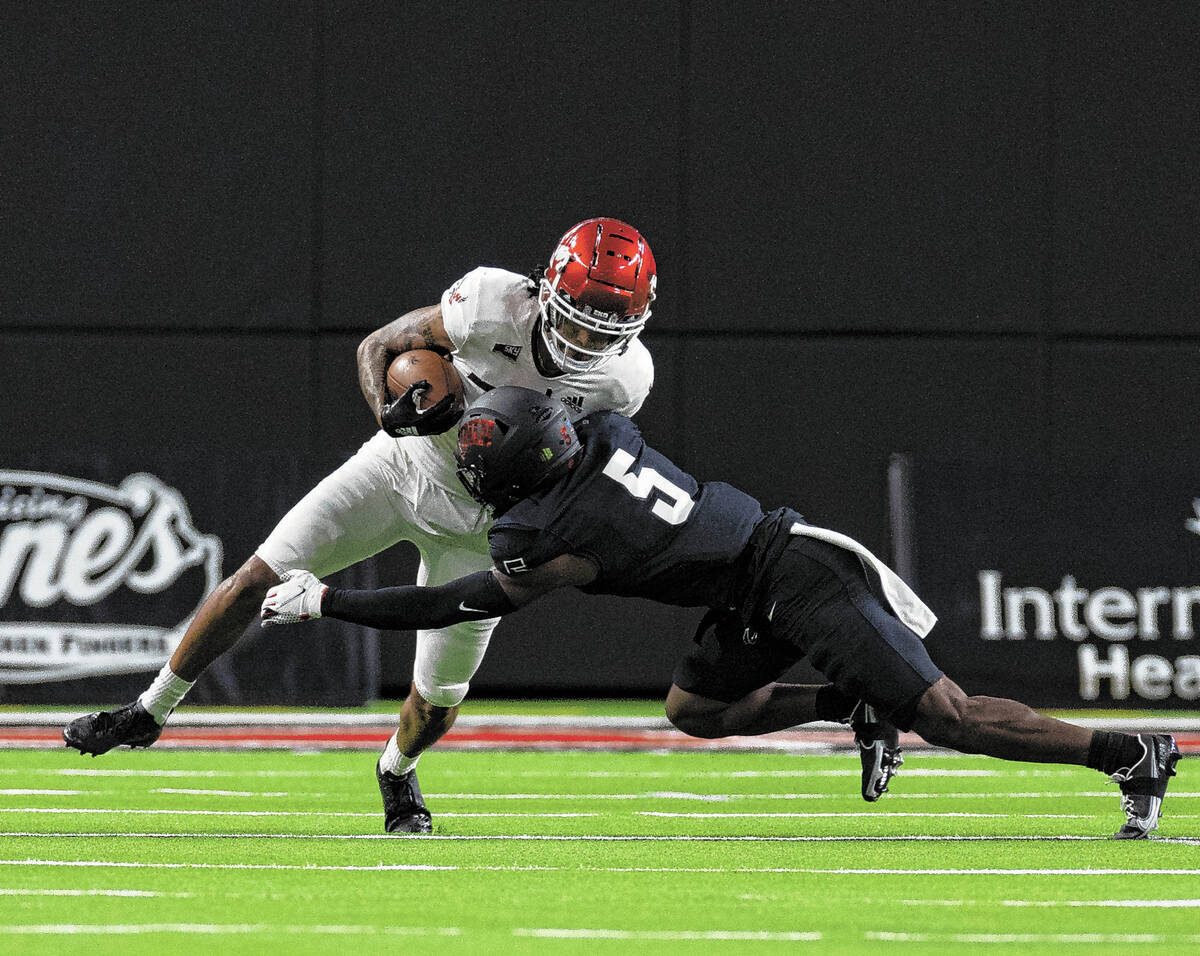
x=376 y=499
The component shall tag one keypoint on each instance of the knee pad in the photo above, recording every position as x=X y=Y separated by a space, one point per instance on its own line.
x=447 y=659
x=441 y=695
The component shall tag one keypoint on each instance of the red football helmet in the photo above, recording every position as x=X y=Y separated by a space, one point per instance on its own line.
x=595 y=295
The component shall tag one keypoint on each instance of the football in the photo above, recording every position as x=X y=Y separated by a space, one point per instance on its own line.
x=417 y=365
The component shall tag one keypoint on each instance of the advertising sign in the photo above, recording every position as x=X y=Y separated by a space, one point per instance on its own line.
x=96 y=579
x=1063 y=588
x=105 y=557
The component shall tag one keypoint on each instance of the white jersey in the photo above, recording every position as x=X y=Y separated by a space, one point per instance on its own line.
x=405 y=489
x=491 y=317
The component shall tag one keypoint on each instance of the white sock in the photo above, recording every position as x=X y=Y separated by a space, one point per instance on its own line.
x=164 y=695
x=394 y=761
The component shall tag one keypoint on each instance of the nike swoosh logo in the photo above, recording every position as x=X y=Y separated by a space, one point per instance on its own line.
x=462 y=606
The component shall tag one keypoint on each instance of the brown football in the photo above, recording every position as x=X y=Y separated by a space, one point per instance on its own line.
x=417 y=365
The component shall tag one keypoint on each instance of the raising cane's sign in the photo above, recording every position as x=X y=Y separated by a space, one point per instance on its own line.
x=96 y=579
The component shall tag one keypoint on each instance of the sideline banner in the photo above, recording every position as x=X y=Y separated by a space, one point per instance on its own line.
x=1064 y=588
x=104 y=563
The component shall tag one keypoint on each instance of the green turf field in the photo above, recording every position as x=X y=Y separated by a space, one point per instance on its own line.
x=266 y=852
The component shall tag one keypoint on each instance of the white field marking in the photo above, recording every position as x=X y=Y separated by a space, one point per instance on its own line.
x=868 y=813
x=750 y=774
x=219 y=929
x=1132 y=904
x=124 y=864
x=537 y=816
x=134 y=893
x=84 y=772
x=1027 y=795
x=726 y=797
x=758 y=936
x=583 y=838
x=1030 y=937
x=41 y=793
x=192 y=813
x=274 y=813
x=384 y=867
x=235 y=793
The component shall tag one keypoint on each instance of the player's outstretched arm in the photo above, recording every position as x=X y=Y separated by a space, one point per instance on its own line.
x=485 y=594
x=419 y=329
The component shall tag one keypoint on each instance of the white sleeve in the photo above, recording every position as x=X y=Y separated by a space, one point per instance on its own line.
x=641 y=381
x=460 y=303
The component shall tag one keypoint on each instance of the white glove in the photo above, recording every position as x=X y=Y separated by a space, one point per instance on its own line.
x=296 y=598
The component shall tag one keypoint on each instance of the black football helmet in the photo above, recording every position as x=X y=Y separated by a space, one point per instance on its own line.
x=511 y=441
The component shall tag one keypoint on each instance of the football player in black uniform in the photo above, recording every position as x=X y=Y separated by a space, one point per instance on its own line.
x=592 y=506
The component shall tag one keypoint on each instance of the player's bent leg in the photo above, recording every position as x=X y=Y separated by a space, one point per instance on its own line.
x=446 y=660
x=422 y=724
x=217 y=626
x=763 y=710
x=1141 y=765
x=696 y=716
x=223 y=618
x=997 y=727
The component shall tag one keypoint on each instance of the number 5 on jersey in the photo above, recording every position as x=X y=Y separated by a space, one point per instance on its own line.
x=674 y=510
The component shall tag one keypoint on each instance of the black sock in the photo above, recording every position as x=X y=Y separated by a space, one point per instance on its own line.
x=1111 y=751
x=832 y=704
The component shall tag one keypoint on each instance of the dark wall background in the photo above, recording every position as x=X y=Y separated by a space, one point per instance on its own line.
x=965 y=231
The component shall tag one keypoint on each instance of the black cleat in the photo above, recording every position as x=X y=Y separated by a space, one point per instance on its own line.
x=403 y=806
x=878 y=748
x=1144 y=785
x=95 y=734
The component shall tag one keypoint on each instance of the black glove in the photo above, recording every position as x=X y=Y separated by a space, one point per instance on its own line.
x=402 y=418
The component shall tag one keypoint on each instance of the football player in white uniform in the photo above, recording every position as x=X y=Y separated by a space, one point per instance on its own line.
x=571 y=332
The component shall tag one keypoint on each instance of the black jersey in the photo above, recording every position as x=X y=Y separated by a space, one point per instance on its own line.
x=650 y=528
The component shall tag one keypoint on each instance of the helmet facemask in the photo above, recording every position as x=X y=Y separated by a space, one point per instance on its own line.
x=580 y=339
x=594 y=297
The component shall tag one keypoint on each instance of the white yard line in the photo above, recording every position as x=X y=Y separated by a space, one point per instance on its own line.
x=24 y=792
x=713 y=935
x=1132 y=904
x=750 y=774
x=231 y=793
x=701 y=797
x=219 y=929
x=387 y=867
x=98 y=772
x=596 y=838
x=1050 y=904
x=138 y=894
x=1025 y=938
x=189 y=813
x=867 y=813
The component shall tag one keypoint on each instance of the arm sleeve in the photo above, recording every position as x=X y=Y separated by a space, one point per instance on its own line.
x=475 y=597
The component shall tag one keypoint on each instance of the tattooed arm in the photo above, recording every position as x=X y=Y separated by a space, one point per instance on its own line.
x=419 y=329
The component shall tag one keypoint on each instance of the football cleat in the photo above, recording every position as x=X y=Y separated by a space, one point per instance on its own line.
x=878 y=749
x=1144 y=784
x=403 y=806
x=129 y=726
